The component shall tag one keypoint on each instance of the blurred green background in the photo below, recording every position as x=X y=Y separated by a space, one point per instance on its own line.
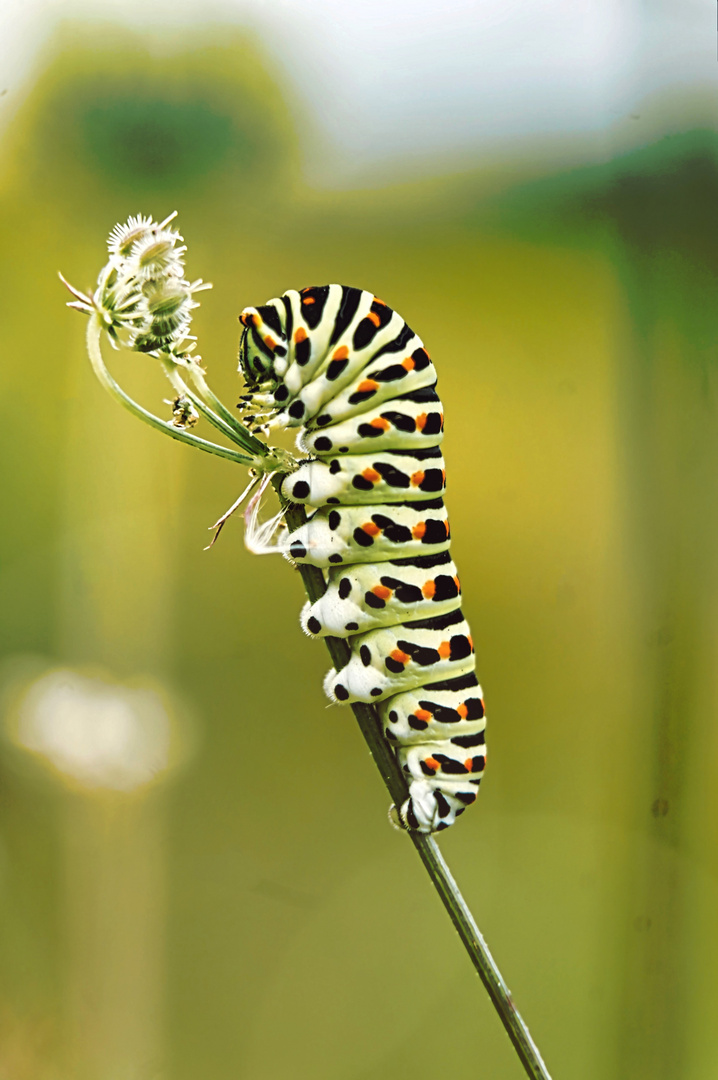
x=250 y=914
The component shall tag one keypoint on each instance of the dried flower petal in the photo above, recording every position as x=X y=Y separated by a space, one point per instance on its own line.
x=184 y=414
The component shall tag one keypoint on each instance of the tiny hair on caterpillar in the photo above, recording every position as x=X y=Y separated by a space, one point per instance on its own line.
x=345 y=369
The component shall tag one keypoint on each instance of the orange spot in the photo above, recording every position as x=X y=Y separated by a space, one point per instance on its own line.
x=462 y=710
x=444 y=650
x=448 y=530
x=371 y=529
x=469 y=764
x=417 y=478
x=341 y=353
x=373 y=317
x=400 y=657
x=367 y=385
x=421 y=421
x=371 y=475
x=422 y=714
x=418 y=531
x=432 y=763
x=308 y=300
x=256 y=319
x=458 y=583
x=408 y=363
x=300 y=335
x=441 y=419
x=443 y=477
x=270 y=342
x=470 y=641
x=244 y=318
x=380 y=423
x=382 y=592
x=378 y=301
x=428 y=589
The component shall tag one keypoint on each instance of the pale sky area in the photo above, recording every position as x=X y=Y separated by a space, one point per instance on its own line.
x=390 y=82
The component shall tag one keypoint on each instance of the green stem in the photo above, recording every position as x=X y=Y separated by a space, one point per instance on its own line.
x=94 y=335
x=219 y=415
x=180 y=387
x=427 y=848
x=481 y=958
x=245 y=437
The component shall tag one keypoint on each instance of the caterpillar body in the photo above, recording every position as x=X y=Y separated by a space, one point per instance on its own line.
x=344 y=368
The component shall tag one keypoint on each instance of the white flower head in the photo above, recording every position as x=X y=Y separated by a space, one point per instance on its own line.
x=122 y=237
x=157 y=254
x=167 y=303
x=142 y=295
x=137 y=227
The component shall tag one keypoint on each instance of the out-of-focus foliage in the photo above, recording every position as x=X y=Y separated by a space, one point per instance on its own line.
x=259 y=919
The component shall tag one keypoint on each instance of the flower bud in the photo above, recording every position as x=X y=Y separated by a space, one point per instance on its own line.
x=123 y=237
x=155 y=255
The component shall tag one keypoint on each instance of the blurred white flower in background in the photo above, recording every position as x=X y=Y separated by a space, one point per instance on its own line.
x=109 y=748
x=95 y=733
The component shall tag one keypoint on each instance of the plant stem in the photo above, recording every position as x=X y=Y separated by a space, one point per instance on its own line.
x=426 y=846
x=210 y=406
x=249 y=441
x=94 y=334
x=182 y=390
x=481 y=958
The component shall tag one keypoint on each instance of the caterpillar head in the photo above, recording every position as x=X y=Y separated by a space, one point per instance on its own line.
x=263 y=347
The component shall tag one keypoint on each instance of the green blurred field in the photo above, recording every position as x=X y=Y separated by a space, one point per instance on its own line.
x=257 y=918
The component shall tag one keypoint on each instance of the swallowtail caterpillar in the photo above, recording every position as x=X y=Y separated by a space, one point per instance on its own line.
x=338 y=364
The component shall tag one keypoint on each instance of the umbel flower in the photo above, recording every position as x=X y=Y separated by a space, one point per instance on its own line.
x=144 y=302
x=143 y=298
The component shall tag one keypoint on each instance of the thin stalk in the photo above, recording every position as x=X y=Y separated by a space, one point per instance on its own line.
x=94 y=334
x=180 y=387
x=254 y=445
x=480 y=956
x=427 y=848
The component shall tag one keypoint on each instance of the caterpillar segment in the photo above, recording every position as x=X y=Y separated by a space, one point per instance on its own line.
x=369 y=478
x=410 y=422
x=439 y=729
x=365 y=596
x=451 y=709
x=379 y=383
x=345 y=369
x=336 y=535
x=394 y=658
